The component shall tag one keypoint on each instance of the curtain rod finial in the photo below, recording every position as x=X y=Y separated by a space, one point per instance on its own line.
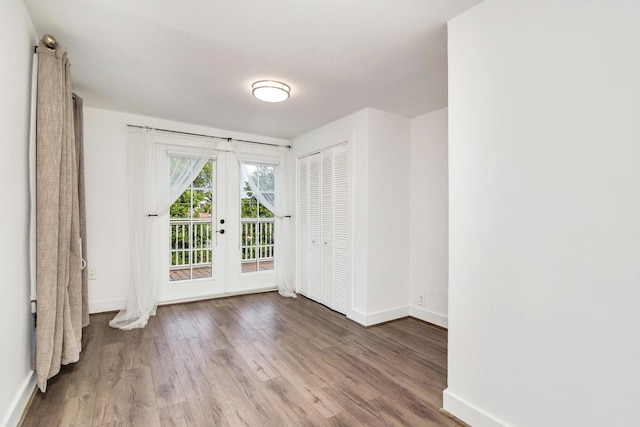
x=49 y=41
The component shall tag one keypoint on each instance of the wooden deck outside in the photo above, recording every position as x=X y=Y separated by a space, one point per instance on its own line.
x=205 y=272
x=250 y=267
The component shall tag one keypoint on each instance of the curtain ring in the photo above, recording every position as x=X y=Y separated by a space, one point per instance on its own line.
x=83 y=263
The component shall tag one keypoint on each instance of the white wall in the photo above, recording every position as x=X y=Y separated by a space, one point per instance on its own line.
x=429 y=217
x=17 y=40
x=106 y=194
x=544 y=323
x=379 y=156
x=388 y=210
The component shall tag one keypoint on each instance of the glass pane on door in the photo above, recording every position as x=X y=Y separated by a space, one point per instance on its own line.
x=191 y=222
x=257 y=221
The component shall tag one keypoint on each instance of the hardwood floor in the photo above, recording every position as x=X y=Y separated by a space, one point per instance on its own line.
x=253 y=360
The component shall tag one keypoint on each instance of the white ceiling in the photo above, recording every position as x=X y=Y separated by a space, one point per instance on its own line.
x=193 y=61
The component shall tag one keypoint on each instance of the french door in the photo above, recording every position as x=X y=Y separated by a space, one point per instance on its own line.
x=196 y=237
x=217 y=242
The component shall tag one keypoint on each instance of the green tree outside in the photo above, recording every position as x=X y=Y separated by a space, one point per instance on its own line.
x=194 y=202
x=257 y=237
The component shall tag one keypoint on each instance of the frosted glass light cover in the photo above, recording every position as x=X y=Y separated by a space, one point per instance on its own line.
x=270 y=91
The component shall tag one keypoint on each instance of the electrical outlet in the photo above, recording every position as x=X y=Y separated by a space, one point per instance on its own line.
x=420 y=299
x=93 y=275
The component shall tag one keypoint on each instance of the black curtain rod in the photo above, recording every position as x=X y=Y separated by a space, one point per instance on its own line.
x=209 y=136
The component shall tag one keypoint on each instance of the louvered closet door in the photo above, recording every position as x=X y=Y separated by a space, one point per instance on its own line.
x=323 y=209
x=341 y=215
x=326 y=229
x=303 y=225
x=314 y=228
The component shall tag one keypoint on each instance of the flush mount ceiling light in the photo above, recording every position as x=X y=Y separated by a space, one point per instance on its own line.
x=270 y=91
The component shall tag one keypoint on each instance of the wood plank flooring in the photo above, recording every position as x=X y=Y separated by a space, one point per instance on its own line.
x=253 y=360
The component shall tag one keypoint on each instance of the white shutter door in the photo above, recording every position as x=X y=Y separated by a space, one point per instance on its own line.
x=327 y=228
x=324 y=263
x=314 y=227
x=303 y=225
x=341 y=256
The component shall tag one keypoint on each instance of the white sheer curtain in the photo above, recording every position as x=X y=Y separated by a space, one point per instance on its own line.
x=277 y=200
x=155 y=182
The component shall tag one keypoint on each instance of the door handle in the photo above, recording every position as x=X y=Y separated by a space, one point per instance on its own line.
x=220 y=231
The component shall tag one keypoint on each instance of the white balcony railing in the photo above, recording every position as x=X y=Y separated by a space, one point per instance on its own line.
x=191 y=242
x=257 y=240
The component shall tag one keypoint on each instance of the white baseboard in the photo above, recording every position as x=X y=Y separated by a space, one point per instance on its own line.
x=379 y=317
x=121 y=303
x=19 y=403
x=357 y=317
x=107 y=305
x=469 y=413
x=219 y=295
x=430 y=316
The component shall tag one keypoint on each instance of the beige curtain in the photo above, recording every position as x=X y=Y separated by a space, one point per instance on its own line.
x=61 y=311
x=78 y=123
